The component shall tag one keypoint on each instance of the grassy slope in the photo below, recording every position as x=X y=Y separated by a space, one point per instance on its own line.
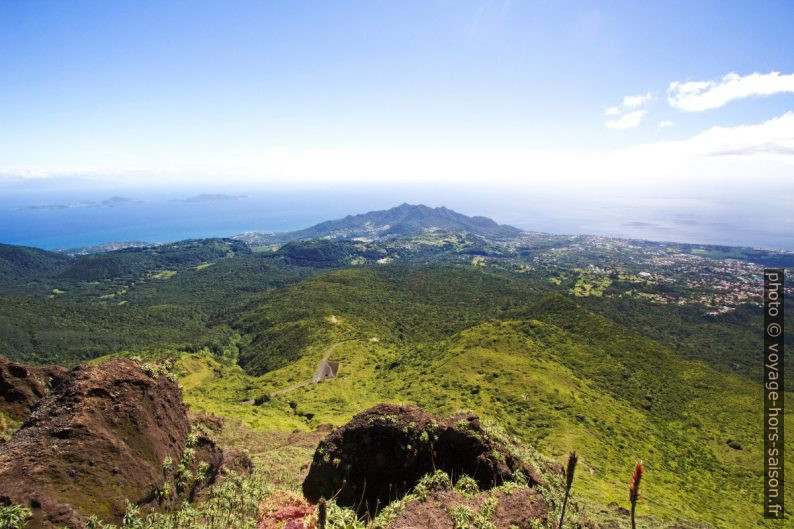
x=561 y=378
x=558 y=376
x=690 y=335
x=543 y=393
x=409 y=306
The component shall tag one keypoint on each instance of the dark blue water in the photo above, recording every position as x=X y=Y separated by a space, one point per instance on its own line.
x=163 y=215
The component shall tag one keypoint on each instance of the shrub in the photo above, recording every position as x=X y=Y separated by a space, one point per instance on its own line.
x=14 y=516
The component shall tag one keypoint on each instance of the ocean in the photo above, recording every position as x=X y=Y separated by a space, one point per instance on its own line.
x=58 y=219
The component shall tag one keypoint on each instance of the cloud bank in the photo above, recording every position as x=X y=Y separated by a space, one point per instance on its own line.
x=773 y=138
x=744 y=155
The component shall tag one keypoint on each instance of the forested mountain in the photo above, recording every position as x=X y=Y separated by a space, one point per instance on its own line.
x=19 y=263
x=403 y=220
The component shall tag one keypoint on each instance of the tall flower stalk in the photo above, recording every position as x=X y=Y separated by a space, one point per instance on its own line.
x=569 y=470
x=634 y=489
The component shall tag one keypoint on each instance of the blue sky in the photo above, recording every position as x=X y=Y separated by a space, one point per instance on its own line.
x=530 y=93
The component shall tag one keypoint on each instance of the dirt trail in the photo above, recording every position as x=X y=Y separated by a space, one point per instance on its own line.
x=326 y=356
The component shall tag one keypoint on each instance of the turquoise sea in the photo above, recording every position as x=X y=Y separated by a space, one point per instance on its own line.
x=79 y=216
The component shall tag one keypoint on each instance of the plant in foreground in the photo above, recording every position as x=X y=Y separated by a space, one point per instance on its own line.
x=13 y=516
x=634 y=488
x=569 y=470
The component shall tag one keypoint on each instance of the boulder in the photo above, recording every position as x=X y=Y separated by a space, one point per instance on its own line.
x=382 y=452
x=105 y=435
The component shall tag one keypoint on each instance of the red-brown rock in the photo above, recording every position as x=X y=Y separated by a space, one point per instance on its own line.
x=21 y=386
x=382 y=452
x=99 y=440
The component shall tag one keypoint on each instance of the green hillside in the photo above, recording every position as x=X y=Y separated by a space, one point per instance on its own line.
x=65 y=321
x=18 y=263
x=562 y=344
x=410 y=306
x=563 y=378
x=727 y=343
x=131 y=262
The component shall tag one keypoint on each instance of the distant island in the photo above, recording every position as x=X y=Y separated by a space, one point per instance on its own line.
x=212 y=197
x=107 y=203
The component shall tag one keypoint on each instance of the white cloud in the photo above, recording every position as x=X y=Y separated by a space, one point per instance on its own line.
x=771 y=140
x=629 y=112
x=664 y=124
x=697 y=96
x=636 y=101
x=626 y=121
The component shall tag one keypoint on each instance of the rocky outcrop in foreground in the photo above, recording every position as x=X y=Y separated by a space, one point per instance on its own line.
x=106 y=434
x=21 y=386
x=382 y=452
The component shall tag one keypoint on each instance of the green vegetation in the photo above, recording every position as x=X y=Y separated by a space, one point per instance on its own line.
x=7 y=427
x=87 y=319
x=134 y=262
x=233 y=503
x=559 y=354
x=13 y=516
x=728 y=343
x=407 y=306
x=590 y=285
x=554 y=374
x=19 y=263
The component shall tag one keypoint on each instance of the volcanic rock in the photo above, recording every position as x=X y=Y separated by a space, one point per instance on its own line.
x=286 y=510
x=382 y=452
x=107 y=434
x=21 y=386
